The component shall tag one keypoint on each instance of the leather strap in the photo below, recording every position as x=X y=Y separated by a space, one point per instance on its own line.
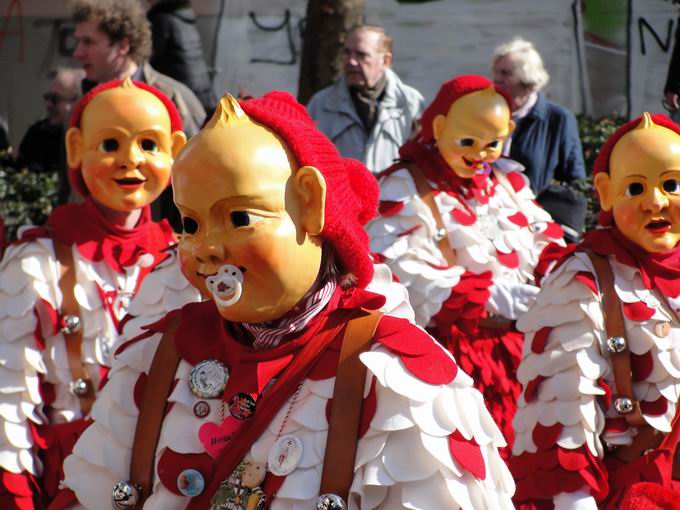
x=73 y=339
x=151 y=412
x=343 y=430
x=425 y=193
x=614 y=327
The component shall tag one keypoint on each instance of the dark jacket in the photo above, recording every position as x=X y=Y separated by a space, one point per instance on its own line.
x=547 y=143
x=177 y=48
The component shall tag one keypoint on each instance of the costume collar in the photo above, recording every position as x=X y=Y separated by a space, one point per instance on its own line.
x=438 y=172
x=97 y=239
x=658 y=270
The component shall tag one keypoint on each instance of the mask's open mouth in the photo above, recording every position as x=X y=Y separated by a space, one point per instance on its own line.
x=130 y=182
x=658 y=226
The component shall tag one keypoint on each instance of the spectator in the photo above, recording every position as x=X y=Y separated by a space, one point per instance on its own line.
x=42 y=147
x=546 y=139
x=672 y=88
x=369 y=112
x=113 y=41
x=177 y=49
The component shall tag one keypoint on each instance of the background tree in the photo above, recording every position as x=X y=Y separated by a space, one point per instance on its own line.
x=326 y=28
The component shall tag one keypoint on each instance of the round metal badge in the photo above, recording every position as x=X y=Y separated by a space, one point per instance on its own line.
x=208 y=379
x=190 y=483
x=285 y=455
x=242 y=406
x=201 y=409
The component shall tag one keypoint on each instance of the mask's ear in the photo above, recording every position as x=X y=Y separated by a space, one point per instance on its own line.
x=74 y=147
x=511 y=127
x=603 y=185
x=310 y=189
x=438 y=126
x=179 y=140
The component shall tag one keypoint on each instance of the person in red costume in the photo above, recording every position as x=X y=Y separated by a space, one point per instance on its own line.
x=596 y=425
x=460 y=228
x=65 y=287
x=292 y=386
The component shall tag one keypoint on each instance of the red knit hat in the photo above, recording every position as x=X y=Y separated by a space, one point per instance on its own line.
x=74 y=175
x=351 y=190
x=449 y=93
x=650 y=496
x=602 y=161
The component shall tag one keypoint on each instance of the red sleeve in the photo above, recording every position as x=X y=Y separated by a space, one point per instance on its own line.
x=466 y=305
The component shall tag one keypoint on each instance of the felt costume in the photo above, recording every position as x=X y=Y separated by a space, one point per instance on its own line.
x=425 y=439
x=494 y=231
x=42 y=413
x=573 y=435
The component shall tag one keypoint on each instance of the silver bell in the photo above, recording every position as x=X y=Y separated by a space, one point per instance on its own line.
x=71 y=324
x=616 y=344
x=439 y=234
x=78 y=388
x=623 y=405
x=330 y=502
x=124 y=495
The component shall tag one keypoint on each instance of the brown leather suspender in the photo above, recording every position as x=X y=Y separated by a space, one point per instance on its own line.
x=81 y=384
x=343 y=430
x=647 y=437
x=151 y=412
x=425 y=193
x=338 y=469
x=617 y=343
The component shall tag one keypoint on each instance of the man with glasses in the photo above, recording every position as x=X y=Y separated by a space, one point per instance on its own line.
x=42 y=147
x=369 y=112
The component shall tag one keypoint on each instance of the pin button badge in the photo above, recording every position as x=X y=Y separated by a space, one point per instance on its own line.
x=242 y=406
x=190 y=483
x=285 y=455
x=208 y=379
x=201 y=409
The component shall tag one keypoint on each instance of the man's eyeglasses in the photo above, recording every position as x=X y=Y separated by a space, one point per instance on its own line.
x=52 y=97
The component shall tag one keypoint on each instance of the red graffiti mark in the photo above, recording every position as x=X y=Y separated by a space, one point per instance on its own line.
x=14 y=5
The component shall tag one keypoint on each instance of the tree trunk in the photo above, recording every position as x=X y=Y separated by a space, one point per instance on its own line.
x=326 y=28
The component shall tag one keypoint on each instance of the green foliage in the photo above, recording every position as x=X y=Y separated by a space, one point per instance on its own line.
x=26 y=198
x=593 y=132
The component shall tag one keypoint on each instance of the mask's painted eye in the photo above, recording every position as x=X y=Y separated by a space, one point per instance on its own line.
x=189 y=225
x=671 y=186
x=494 y=145
x=240 y=219
x=466 y=142
x=634 y=189
x=149 y=145
x=109 y=145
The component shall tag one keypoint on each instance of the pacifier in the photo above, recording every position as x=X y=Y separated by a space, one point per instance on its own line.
x=226 y=286
x=483 y=168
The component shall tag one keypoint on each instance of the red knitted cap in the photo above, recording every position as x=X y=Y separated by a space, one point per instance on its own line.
x=602 y=161
x=449 y=93
x=74 y=176
x=351 y=190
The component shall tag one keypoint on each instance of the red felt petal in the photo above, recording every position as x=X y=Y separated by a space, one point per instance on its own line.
x=532 y=388
x=401 y=337
x=616 y=425
x=510 y=260
x=587 y=279
x=64 y=499
x=171 y=464
x=468 y=454
x=18 y=484
x=654 y=408
x=410 y=230
x=519 y=219
x=607 y=397
x=554 y=231
x=638 y=311
x=389 y=208
x=641 y=365
x=546 y=437
x=138 y=390
x=267 y=370
x=540 y=337
x=434 y=368
x=516 y=180
x=463 y=217
x=571 y=460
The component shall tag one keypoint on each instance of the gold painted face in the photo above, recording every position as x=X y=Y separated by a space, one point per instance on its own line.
x=124 y=147
x=246 y=204
x=643 y=187
x=473 y=131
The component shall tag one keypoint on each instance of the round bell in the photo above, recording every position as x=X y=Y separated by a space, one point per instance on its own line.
x=616 y=344
x=124 y=495
x=440 y=234
x=71 y=324
x=78 y=388
x=623 y=405
x=330 y=502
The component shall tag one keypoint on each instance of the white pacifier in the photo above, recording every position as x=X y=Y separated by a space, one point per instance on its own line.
x=226 y=286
